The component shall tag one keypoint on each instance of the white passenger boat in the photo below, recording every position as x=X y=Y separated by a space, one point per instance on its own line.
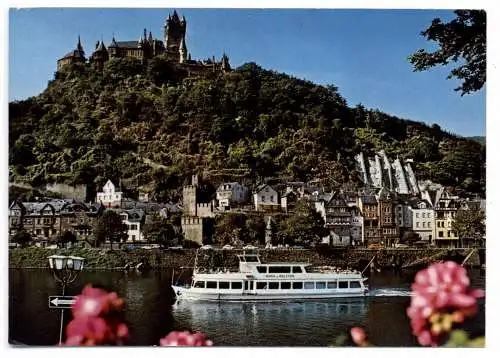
x=257 y=281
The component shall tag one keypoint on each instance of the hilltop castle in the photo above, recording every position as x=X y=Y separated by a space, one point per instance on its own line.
x=173 y=46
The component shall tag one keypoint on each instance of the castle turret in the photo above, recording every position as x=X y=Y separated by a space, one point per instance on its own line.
x=100 y=55
x=174 y=33
x=183 y=55
x=77 y=55
x=225 y=66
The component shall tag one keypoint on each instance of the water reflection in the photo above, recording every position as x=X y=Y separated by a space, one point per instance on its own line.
x=271 y=323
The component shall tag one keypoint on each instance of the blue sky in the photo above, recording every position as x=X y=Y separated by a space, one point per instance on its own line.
x=363 y=52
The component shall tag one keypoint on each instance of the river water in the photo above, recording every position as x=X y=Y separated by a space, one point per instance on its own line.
x=151 y=312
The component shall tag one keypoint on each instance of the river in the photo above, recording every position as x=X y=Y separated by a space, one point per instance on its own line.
x=151 y=312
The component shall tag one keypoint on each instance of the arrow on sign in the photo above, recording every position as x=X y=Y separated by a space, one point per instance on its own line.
x=61 y=301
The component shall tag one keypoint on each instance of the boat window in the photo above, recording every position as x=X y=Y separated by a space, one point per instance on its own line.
x=354 y=284
x=251 y=259
x=251 y=286
x=320 y=285
x=246 y=285
x=261 y=285
x=262 y=269
x=331 y=284
x=236 y=285
x=224 y=285
x=286 y=285
x=279 y=269
x=297 y=269
x=342 y=284
x=309 y=285
x=297 y=285
x=211 y=284
x=274 y=285
x=199 y=284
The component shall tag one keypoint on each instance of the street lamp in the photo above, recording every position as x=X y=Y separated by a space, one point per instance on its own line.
x=65 y=270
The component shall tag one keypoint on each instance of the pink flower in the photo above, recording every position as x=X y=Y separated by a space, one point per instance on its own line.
x=91 y=303
x=84 y=329
x=438 y=290
x=358 y=336
x=185 y=338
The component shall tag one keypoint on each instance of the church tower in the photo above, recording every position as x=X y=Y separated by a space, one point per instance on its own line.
x=175 y=37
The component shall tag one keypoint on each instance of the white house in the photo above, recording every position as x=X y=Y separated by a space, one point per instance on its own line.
x=109 y=197
x=231 y=193
x=423 y=220
x=134 y=220
x=266 y=198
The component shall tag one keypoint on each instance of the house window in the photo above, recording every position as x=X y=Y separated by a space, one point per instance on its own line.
x=133 y=237
x=262 y=198
x=440 y=234
x=418 y=224
x=449 y=233
x=272 y=198
x=429 y=224
x=416 y=215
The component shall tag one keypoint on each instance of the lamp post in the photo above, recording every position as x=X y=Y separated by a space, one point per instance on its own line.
x=65 y=270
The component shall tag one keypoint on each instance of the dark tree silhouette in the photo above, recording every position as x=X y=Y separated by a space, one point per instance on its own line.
x=462 y=40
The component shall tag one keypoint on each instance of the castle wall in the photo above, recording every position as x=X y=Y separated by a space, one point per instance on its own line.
x=192 y=227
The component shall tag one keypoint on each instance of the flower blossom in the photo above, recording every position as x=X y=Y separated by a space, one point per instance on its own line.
x=185 y=338
x=441 y=296
x=96 y=319
x=358 y=336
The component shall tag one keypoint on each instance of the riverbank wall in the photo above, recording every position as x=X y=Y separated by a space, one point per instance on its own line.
x=105 y=259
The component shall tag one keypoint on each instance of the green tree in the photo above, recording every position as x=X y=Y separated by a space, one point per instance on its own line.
x=462 y=40
x=109 y=228
x=304 y=226
x=65 y=237
x=22 y=237
x=469 y=224
x=159 y=230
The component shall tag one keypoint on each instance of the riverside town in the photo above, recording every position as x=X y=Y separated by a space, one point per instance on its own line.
x=235 y=205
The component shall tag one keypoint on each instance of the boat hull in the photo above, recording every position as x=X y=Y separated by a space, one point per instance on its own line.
x=186 y=293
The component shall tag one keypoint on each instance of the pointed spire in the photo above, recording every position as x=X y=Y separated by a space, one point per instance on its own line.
x=175 y=17
x=150 y=37
x=113 y=42
x=183 y=20
x=79 y=46
x=145 y=34
x=182 y=51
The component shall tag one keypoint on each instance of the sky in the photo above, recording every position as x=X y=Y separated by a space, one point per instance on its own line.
x=362 y=52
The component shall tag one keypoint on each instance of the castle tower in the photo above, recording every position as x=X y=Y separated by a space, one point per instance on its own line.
x=79 y=48
x=225 y=66
x=100 y=56
x=175 y=33
x=183 y=51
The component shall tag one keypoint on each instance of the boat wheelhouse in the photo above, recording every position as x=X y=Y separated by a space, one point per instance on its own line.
x=256 y=281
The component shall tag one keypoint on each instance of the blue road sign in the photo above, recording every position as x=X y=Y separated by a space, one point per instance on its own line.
x=61 y=301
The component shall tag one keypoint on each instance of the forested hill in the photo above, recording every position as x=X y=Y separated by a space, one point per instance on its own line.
x=152 y=127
